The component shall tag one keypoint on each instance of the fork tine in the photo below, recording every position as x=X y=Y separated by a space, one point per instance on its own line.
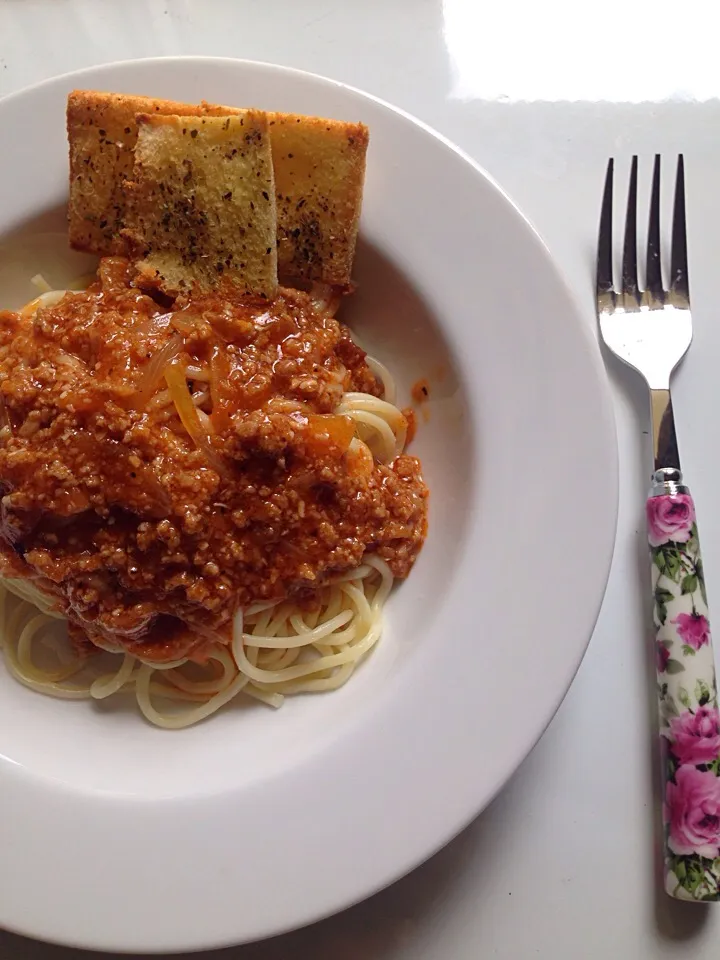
x=629 y=263
x=605 y=288
x=678 y=258
x=653 y=284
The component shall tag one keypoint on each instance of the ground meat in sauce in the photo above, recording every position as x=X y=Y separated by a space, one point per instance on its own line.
x=147 y=539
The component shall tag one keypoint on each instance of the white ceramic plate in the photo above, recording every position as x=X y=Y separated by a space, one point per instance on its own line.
x=116 y=835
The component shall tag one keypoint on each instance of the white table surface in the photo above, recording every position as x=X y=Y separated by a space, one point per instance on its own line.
x=562 y=865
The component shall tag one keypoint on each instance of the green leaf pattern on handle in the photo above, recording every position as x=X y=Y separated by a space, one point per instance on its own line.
x=687 y=695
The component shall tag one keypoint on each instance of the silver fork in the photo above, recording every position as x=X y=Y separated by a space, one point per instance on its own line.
x=651 y=330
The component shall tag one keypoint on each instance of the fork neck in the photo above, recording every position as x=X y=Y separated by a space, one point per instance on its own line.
x=665 y=448
x=667 y=482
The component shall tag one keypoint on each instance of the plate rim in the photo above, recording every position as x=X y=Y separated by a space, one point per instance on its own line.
x=608 y=427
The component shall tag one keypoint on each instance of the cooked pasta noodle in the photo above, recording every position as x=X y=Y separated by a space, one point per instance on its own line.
x=275 y=648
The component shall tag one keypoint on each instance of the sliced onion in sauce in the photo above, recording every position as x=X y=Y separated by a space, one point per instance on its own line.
x=70 y=360
x=154 y=325
x=330 y=432
x=199 y=429
x=155 y=370
x=183 y=324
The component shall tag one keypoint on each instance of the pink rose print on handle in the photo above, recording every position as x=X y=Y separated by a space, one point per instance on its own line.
x=687 y=693
x=692 y=812
x=670 y=518
x=693 y=628
x=695 y=737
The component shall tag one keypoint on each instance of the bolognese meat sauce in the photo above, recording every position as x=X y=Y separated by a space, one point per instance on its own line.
x=161 y=464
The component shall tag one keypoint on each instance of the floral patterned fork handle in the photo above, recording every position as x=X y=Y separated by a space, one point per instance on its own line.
x=651 y=330
x=689 y=722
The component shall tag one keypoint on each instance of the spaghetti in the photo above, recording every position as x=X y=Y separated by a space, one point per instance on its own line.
x=269 y=648
x=276 y=650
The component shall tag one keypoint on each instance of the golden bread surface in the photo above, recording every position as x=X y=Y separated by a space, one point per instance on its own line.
x=102 y=132
x=319 y=171
x=319 y=175
x=201 y=204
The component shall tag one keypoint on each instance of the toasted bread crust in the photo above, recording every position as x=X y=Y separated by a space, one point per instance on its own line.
x=319 y=170
x=102 y=132
x=319 y=175
x=201 y=204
